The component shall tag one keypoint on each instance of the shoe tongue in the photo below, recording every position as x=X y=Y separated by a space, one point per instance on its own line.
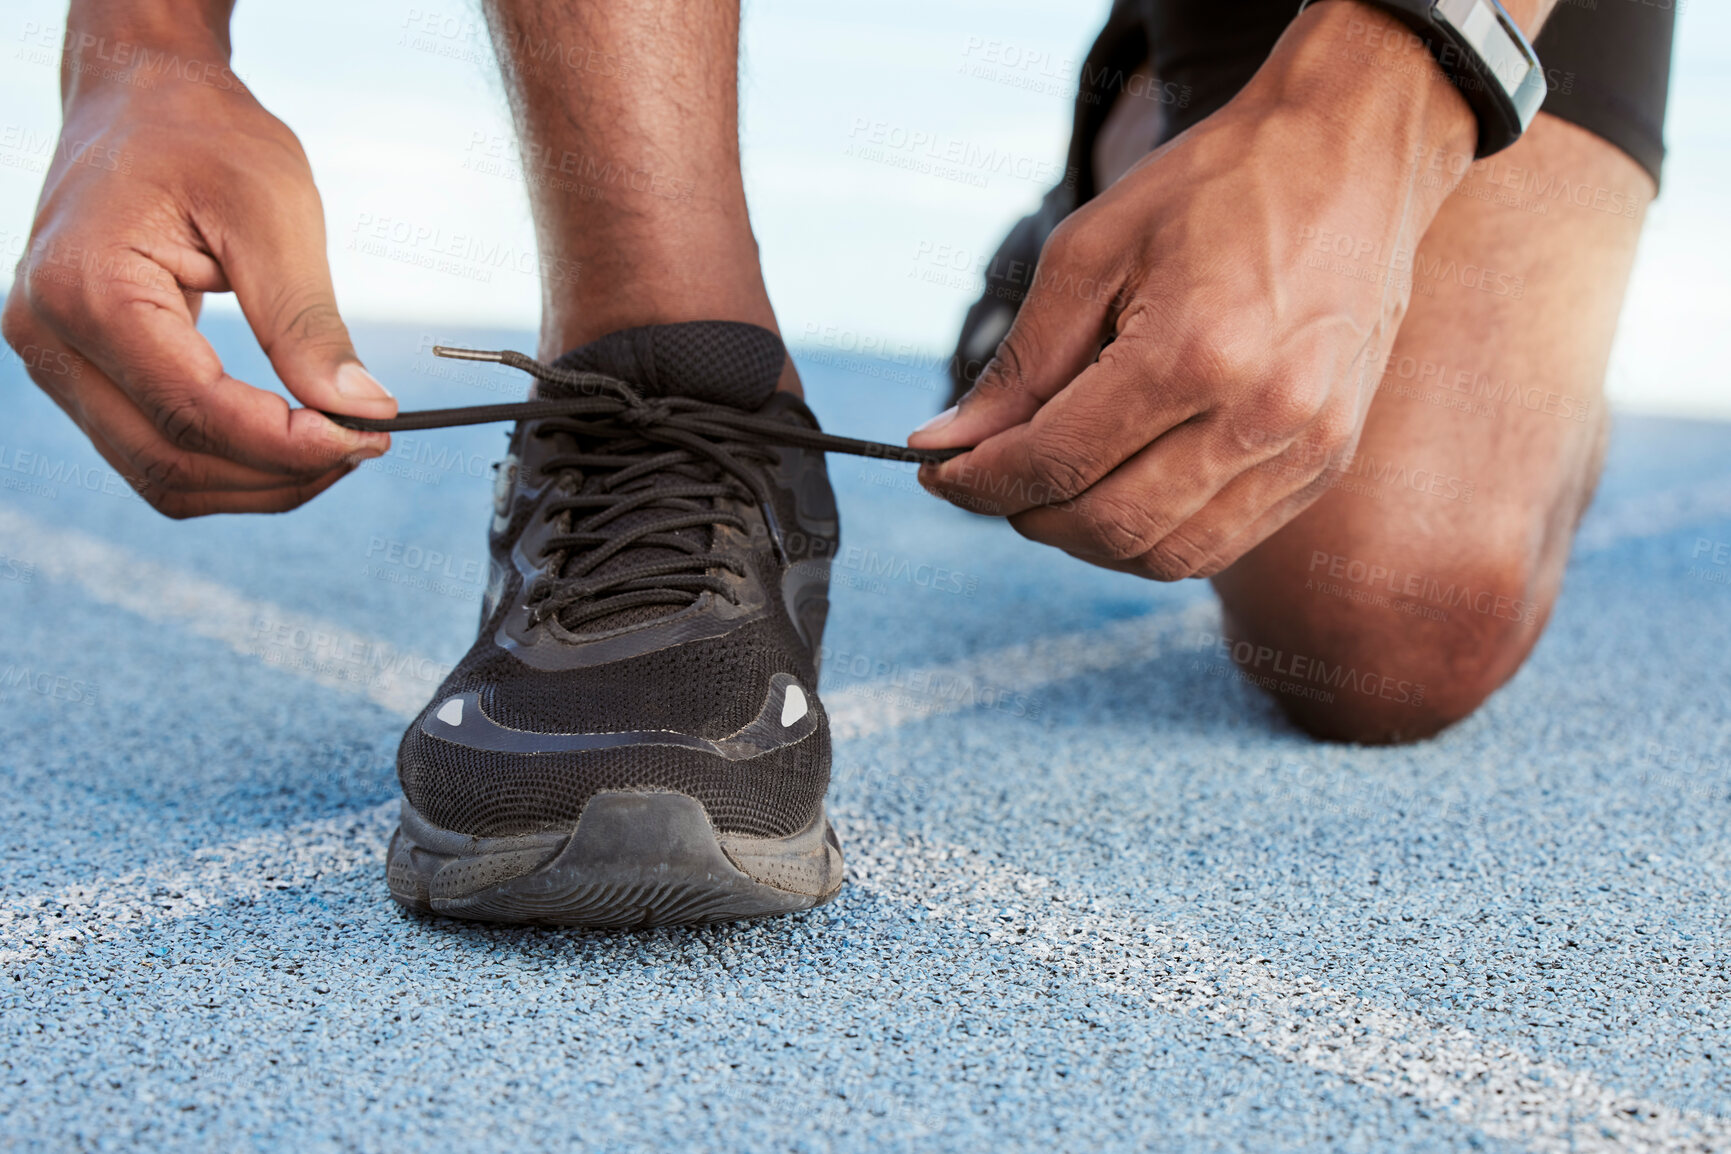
x=725 y=362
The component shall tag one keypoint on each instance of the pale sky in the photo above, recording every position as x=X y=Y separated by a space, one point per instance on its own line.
x=401 y=114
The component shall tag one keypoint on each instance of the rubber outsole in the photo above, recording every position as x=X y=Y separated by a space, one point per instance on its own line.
x=634 y=859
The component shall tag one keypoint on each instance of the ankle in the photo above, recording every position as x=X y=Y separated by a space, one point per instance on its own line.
x=574 y=318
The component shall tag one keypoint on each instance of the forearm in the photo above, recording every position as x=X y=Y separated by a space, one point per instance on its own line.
x=120 y=39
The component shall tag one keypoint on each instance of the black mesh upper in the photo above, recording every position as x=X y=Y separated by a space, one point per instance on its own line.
x=707 y=688
x=488 y=794
x=727 y=362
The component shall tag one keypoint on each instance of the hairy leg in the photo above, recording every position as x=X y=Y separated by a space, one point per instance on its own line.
x=628 y=113
x=1435 y=555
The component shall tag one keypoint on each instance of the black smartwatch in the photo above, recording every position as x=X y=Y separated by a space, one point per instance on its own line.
x=1484 y=54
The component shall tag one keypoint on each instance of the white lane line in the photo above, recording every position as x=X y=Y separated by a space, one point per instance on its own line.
x=901 y=699
x=1654 y=514
x=1492 y=1087
x=323 y=651
x=401 y=681
x=251 y=867
x=1481 y=1083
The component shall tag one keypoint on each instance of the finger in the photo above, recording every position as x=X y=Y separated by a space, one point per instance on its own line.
x=122 y=434
x=1129 y=510
x=1056 y=334
x=138 y=330
x=1225 y=555
x=276 y=263
x=1187 y=538
x=1114 y=410
x=279 y=500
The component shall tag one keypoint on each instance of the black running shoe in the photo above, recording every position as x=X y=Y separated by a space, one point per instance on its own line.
x=636 y=737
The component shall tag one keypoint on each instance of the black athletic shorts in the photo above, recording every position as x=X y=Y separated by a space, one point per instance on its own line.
x=1607 y=63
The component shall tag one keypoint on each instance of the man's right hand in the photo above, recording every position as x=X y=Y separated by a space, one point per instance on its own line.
x=170 y=183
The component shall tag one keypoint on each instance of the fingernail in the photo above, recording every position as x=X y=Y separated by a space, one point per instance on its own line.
x=938 y=421
x=354 y=381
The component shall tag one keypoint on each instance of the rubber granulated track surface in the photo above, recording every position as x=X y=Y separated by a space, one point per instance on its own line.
x=1100 y=897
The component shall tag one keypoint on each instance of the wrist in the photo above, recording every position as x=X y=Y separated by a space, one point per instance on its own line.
x=1371 y=95
x=144 y=44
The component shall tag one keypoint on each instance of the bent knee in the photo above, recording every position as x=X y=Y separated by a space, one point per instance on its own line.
x=1359 y=664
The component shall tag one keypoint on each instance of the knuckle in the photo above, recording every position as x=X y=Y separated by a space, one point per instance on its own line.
x=1057 y=469
x=1072 y=243
x=1174 y=558
x=1293 y=405
x=1230 y=354
x=54 y=292
x=1335 y=427
x=1121 y=530
x=307 y=316
x=1063 y=245
x=183 y=421
x=166 y=476
x=1007 y=372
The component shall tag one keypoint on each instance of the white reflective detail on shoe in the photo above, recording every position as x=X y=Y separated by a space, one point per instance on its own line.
x=793 y=706
x=451 y=713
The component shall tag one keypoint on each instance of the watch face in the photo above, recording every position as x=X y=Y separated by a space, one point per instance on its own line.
x=1483 y=27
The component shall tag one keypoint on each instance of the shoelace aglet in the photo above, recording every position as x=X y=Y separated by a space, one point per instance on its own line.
x=772 y=523
x=459 y=354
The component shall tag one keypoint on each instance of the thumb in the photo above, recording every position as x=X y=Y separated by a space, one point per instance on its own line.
x=1055 y=335
x=275 y=261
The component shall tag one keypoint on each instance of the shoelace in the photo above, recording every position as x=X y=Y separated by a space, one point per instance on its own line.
x=619 y=424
